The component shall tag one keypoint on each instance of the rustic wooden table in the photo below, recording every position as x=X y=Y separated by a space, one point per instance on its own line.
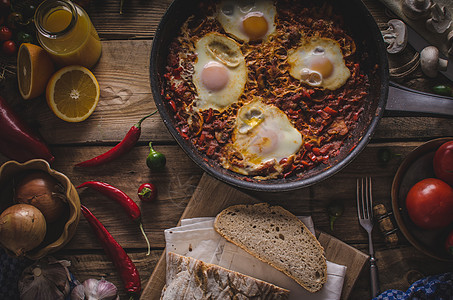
x=123 y=75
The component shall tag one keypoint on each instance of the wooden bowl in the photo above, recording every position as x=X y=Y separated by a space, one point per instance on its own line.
x=417 y=166
x=61 y=231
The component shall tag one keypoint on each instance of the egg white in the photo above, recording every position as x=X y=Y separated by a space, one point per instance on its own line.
x=300 y=59
x=230 y=14
x=232 y=58
x=263 y=134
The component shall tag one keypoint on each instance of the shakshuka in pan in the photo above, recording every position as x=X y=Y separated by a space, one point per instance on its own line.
x=268 y=89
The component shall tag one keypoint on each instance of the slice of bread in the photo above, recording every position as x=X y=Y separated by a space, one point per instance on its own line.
x=276 y=236
x=190 y=278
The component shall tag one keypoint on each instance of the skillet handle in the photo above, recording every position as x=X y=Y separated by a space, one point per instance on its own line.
x=402 y=99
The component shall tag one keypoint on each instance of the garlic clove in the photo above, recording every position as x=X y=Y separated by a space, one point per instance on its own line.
x=93 y=289
x=106 y=290
x=78 y=293
x=45 y=279
x=91 y=286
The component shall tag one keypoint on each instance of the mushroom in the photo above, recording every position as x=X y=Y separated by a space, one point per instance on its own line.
x=395 y=36
x=416 y=9
x=430 y=61
x=440 y=19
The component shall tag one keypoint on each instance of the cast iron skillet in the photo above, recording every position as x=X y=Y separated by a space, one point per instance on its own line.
x=365 y=32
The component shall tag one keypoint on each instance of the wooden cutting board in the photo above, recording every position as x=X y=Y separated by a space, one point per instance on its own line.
x=212 y=196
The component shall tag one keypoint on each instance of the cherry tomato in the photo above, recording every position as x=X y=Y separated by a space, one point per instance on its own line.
x=443 y=162
x=9 y=48
x=147 y=192
x=430 y=203
x=5 y=33
x=449 y=243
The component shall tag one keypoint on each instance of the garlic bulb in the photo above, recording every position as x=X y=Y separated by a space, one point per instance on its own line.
x=93 y=289
x=46 y=279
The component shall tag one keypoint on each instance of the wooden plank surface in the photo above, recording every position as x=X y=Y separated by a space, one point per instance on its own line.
x=126 y=97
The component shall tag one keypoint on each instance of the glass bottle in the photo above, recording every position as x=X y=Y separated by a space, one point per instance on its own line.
x=65 y=31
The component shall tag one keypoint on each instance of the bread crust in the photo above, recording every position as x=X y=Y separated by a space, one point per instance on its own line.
x=313 y=274
x=190 y=278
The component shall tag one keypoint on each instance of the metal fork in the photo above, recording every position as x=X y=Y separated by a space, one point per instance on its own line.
x=365 y=213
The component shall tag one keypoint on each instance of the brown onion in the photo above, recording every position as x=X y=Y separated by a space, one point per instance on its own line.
x=22 y=228
x=42 y=191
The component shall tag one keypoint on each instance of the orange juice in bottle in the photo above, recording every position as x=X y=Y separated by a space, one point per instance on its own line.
x=65 y=31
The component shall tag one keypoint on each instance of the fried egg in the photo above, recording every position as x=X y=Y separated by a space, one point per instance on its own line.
x=220 y=73
x=263 y=134
x=247 y=20
x=319 y=62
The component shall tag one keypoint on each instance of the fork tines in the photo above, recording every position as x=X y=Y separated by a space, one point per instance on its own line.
x=364 y=198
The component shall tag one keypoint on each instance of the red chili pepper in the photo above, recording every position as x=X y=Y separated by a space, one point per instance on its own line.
x=147 y=192
x=17 y=140
x=123 y=263
x=122 y=199
x=121 y=148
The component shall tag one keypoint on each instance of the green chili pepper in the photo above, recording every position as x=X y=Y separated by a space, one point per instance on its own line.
x=155 y=160
x=443 y=90
x=335 y=210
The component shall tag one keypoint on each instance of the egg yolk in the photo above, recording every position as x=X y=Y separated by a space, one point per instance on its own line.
x=264 y=142
x=322 y=65
x=214 y=76
x=255 y=25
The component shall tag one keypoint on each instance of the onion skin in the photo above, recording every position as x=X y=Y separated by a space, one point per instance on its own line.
x=22 y=228
x=42 y=191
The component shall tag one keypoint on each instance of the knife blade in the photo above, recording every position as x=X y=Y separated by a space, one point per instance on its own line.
x=403 y=99
x=419 y=43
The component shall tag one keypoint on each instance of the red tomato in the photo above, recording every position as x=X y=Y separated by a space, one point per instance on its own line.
x=9 y=48
x=443 y=162
x=430 y=203
x=449 y=243
x=5 y=33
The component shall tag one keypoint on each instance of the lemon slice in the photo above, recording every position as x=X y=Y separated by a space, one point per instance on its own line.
x=34 y=68
x=73 y=93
